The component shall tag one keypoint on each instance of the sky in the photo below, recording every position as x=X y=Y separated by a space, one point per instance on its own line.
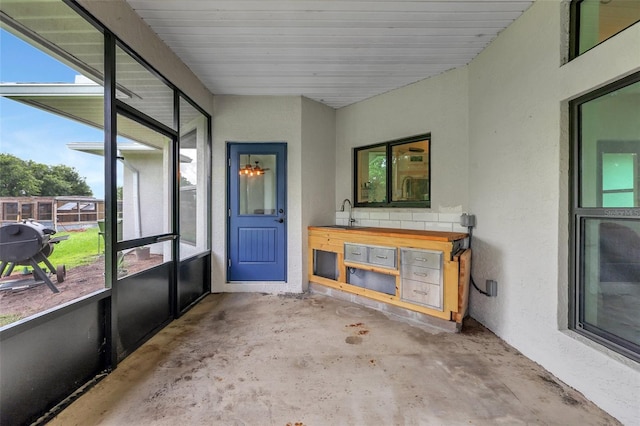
x=33 y=134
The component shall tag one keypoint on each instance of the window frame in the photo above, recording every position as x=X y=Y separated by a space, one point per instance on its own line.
x=615 y=147
x=26 y=210
x=109 y=354
x=577 y=218
x=574 y=31
x=389 y=145
x=43 y=213
x=7 y=215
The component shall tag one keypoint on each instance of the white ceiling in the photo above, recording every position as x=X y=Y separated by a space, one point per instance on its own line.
x=334 y=51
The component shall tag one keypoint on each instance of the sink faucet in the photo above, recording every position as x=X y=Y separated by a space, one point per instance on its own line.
x=351 y=220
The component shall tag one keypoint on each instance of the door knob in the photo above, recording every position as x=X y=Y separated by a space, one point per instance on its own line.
x=281 y=220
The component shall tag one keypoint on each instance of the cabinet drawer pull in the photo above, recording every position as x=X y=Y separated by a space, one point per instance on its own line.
x=420 y=259
x=424 y=293
x=381 y=257
x=356 y=253
x=420 y=274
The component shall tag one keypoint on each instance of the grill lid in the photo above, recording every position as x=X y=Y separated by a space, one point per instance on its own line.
x=20 y=241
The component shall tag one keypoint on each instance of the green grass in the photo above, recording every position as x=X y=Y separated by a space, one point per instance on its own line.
x=81 y=248
x=8 y=319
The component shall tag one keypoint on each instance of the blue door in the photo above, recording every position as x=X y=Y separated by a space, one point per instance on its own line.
x=257 y=225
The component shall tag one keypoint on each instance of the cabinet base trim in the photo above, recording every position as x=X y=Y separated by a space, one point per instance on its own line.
x=396 y=312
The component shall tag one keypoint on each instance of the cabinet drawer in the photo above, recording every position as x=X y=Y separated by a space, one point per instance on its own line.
x=425 y=258
x=418 y=273
x=355 y=253
x=422 y=293
x=382 y=256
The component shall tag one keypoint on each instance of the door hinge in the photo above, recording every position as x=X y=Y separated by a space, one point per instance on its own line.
x=229 y=212
x=229 y=162
x=229 y=263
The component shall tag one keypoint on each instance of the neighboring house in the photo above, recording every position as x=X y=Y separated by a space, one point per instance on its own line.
x=60 y=213
x=144 y=181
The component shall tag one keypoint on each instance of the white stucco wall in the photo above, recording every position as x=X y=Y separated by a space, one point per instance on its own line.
x=518 y=187
x=318 y=170
x=438 y=106
x=258 y=119
x=500 y=151
x=152 y=194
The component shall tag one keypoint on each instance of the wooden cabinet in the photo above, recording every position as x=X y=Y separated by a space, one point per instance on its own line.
x=423 y=271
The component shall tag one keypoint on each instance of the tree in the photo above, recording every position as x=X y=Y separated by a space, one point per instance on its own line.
x=16 y=180
x=27 y=178
x=378 y=177
x=58 y=180
x=184 y=181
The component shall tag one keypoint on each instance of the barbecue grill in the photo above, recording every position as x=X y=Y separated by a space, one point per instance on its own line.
x=29 y=243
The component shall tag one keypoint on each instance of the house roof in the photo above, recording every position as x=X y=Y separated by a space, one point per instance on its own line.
x=82 y=101
x=97 y=148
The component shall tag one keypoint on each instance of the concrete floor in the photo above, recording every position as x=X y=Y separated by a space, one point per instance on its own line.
x=252 y=359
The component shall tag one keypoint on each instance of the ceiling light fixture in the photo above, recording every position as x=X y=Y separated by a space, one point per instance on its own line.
x=249 y=170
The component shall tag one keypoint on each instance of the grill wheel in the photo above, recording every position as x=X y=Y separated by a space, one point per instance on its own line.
x=61 y=273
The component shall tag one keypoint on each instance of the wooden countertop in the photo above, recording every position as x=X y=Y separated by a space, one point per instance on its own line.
x=394 y=232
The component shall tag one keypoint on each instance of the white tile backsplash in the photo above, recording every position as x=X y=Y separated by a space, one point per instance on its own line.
x=368 y=222
x=359 y=214
x=379 y=215
x=404 y=219
x=390 y=224
x=406 y=224
x=438 y=226
x=449 y=217
x=458 y=228
x=425 y=217
x=400 y=216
